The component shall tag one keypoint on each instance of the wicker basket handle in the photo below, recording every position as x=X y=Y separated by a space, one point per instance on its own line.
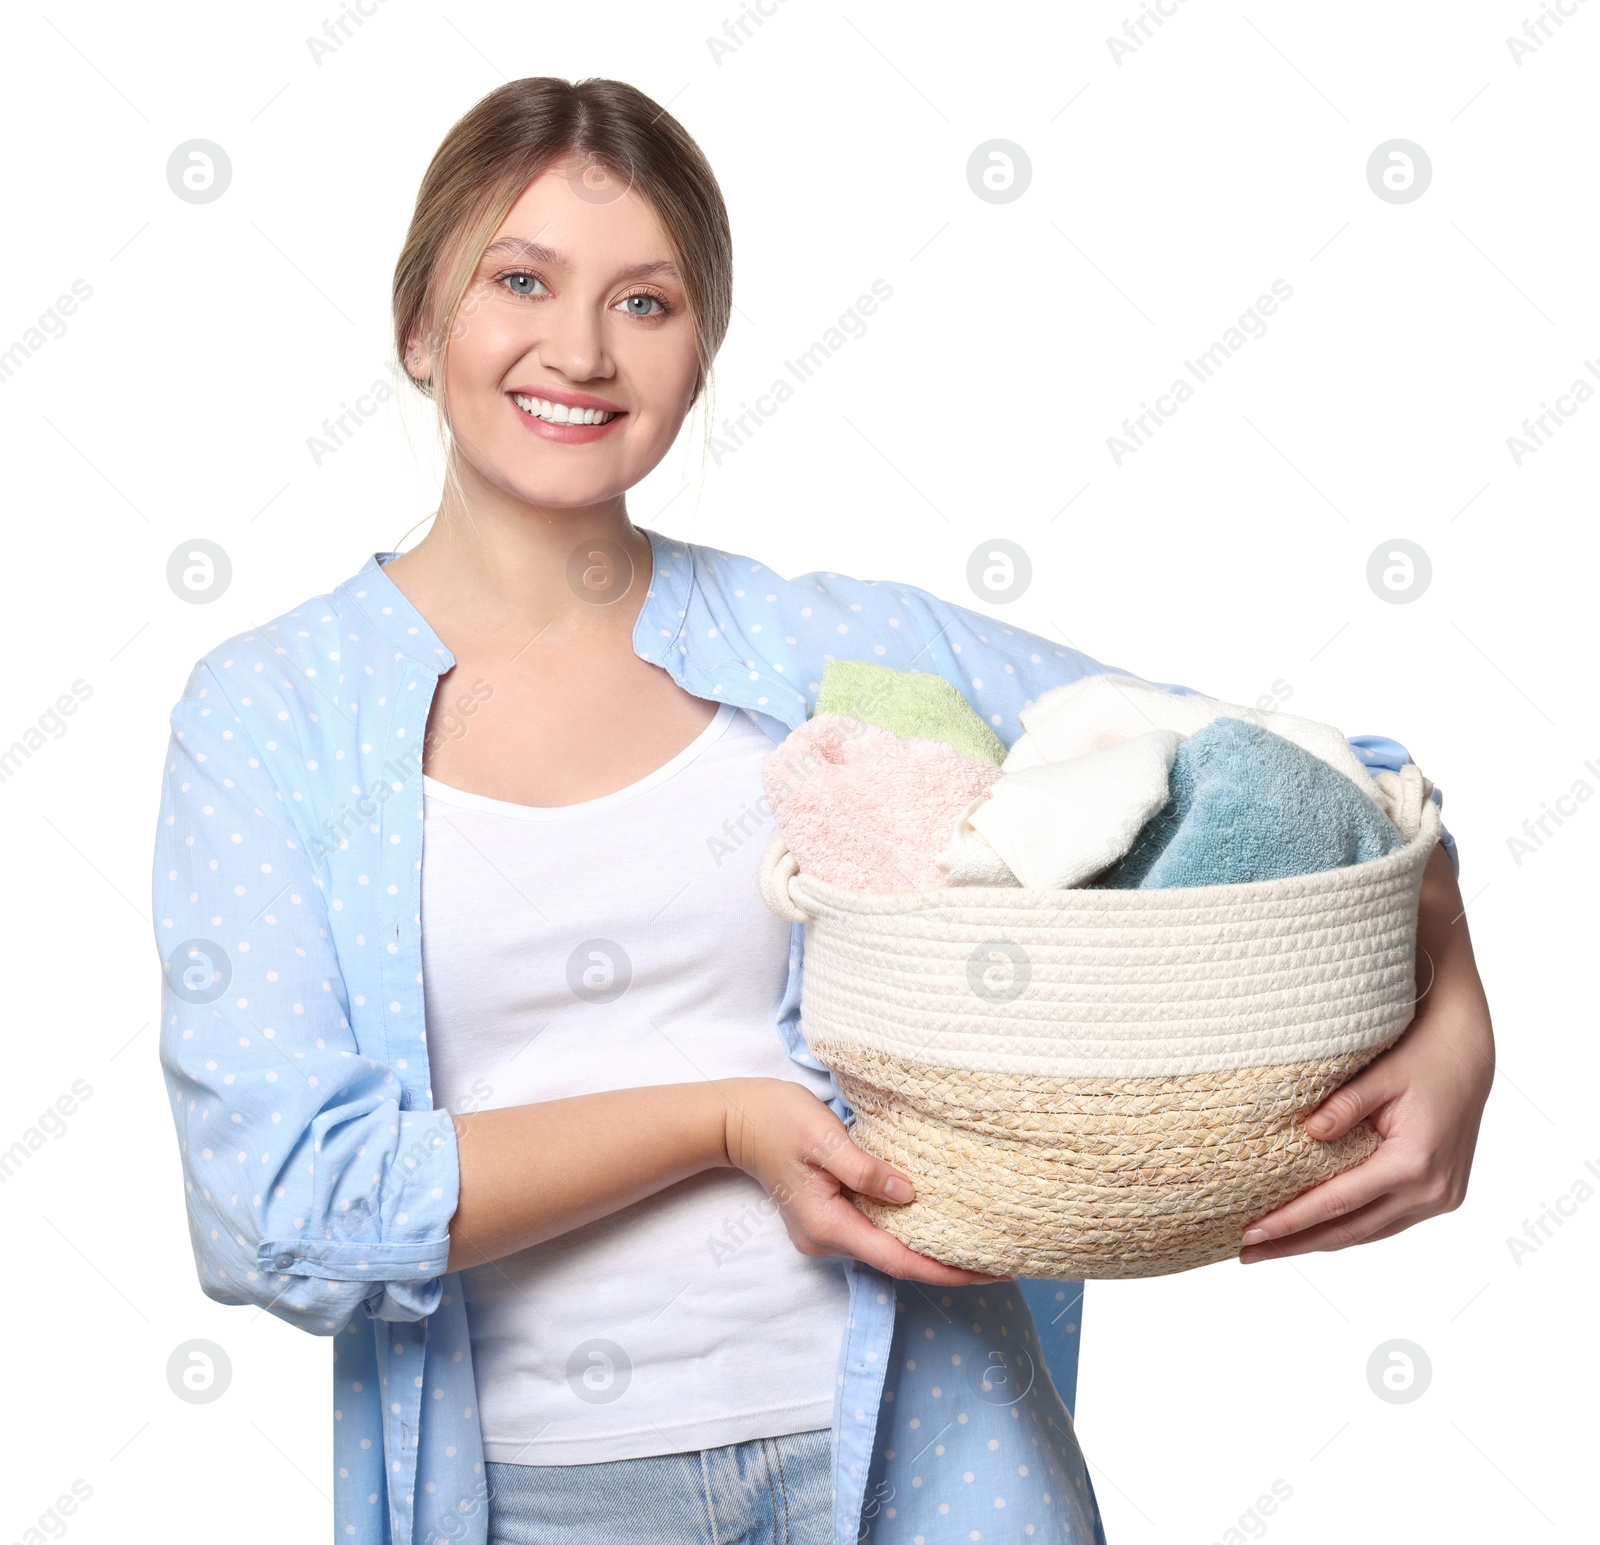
x=1402 y=795
x=778 y=866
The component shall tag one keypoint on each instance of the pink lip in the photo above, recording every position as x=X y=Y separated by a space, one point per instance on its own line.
x=566 y=434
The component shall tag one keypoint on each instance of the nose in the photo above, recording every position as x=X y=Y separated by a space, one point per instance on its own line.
x=574 y=342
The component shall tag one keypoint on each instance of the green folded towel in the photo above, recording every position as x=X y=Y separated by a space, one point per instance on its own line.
x=908 y=703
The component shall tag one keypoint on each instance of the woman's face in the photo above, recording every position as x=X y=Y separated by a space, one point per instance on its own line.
x=575 y=305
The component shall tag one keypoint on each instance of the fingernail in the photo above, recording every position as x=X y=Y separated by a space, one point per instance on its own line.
x=1319 y=1124
x=896 y=1189
x=1256 y=1236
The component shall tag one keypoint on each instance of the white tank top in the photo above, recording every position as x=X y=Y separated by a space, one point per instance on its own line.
x=609 y=944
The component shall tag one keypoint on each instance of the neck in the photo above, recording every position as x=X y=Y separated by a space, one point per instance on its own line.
x=494 y=563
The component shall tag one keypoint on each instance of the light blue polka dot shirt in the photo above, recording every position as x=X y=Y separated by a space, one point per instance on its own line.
x=320 y=1178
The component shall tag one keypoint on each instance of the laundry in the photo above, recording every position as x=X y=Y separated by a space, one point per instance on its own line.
x=1114 y=783
x=969 y=859
x=866 y=808
x=1104 y=709
x=913 y=703
x=1247 y=804
x=1060 y=823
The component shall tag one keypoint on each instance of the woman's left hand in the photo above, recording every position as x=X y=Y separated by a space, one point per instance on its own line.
x=1425 y=1096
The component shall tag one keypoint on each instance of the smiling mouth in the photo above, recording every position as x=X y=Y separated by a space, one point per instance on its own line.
x=560 y=413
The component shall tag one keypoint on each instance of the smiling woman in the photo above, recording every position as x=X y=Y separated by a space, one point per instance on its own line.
x=535 y=206
x=504 y=1087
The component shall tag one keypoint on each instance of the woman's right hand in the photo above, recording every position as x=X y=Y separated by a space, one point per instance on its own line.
x=786 y=1138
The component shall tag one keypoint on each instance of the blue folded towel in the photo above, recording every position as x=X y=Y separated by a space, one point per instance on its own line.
x=1245 y=804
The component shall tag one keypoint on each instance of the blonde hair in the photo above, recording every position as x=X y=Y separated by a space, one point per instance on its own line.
x=493 y=152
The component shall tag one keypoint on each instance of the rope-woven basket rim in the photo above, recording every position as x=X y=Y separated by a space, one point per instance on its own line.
x=798 y=896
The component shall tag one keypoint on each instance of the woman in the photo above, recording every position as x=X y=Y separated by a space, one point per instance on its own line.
x=581 y=1245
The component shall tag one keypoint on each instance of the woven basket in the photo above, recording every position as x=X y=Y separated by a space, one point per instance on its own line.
x=1106 y=1083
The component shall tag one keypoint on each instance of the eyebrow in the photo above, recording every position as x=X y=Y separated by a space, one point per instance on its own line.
x=537 y=252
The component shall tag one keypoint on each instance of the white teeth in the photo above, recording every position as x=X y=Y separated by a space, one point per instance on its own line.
x=560 y=413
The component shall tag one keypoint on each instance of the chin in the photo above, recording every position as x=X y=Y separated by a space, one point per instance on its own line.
x=550 y=492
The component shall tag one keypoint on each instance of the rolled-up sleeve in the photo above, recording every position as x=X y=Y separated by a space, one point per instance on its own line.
x=311 y=1190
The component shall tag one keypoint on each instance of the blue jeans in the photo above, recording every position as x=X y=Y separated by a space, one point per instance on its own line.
x=769 y=1491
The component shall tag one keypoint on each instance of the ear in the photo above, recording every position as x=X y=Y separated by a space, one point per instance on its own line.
x=418 y=360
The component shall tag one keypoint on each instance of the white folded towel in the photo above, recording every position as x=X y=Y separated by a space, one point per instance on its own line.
x=1060 y=823
x=969 y=860
x=1103 y=710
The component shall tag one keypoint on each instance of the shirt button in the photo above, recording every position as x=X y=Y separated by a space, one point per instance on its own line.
x=285 y=1260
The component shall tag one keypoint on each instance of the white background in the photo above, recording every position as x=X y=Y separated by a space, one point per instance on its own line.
x=1228 y=554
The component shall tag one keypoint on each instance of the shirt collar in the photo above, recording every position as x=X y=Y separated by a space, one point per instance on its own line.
x=666 y=603
x=384 y=604
x=655 y=633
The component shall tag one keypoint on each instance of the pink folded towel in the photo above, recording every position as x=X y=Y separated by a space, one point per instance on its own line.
x=866 y=808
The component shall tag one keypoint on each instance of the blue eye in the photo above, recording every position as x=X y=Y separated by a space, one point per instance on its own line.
x=522 y=284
